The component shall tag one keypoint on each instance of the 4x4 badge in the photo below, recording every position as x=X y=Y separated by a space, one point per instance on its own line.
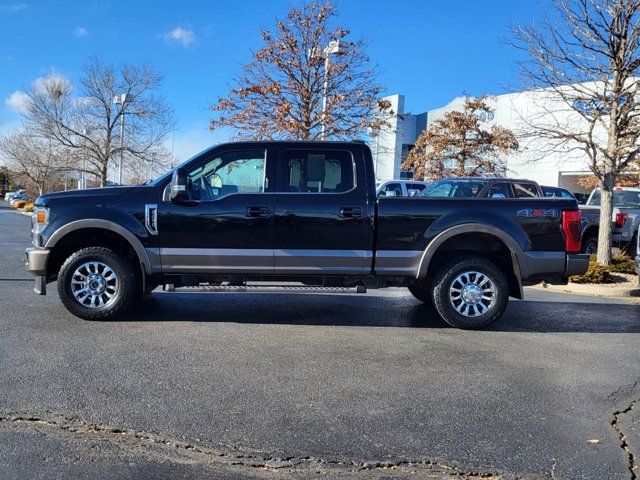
x=538 y=212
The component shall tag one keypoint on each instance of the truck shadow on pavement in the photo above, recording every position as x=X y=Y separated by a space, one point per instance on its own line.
x=363 y=311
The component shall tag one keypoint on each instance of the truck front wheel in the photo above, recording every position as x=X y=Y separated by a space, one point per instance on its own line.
x=97 y=283
x=470 y=292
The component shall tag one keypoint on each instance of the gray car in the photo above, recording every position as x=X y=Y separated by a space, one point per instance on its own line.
x=626 y=219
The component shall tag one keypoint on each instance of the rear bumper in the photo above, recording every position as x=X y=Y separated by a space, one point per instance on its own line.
x=577 y=264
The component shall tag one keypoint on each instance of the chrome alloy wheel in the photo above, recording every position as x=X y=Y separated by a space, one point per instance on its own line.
x=94 y=285
x=472 y=293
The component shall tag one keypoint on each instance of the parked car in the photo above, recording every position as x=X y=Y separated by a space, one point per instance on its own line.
x=626 y=220
x=483 y=187
x=19 y=198
x=10 y=195
x=20 y=203
x=247 y=213
x=557 y=192
x=401 y=188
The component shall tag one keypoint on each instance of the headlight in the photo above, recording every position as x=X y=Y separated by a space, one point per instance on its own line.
x=39 y=221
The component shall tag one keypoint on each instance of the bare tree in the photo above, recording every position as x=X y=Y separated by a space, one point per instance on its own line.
x=585 y=61
x=35 y=159
x=458 y=145
x=281 y=93
x=91 y=123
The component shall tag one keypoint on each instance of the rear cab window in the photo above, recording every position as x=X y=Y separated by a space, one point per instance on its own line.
x=391 y=190
x=453 y=189
x=524 y=190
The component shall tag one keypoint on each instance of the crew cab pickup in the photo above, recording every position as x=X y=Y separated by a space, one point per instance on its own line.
x=246 y=213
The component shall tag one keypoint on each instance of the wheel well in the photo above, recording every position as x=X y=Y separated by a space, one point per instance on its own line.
x=478 y=244
x=87 y=237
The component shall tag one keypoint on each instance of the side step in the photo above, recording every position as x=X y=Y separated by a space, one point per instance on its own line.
x=265 y=289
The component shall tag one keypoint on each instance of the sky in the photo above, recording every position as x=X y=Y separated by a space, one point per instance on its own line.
x=432 y=51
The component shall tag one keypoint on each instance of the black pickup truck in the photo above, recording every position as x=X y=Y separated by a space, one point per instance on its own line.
x=241 y=214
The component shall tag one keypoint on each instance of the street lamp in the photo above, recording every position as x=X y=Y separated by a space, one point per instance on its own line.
x=121 y=100
x=335 y=47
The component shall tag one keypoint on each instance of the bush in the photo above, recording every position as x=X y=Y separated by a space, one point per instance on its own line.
x=622 y=264
x=596 y=273
x=602 y=274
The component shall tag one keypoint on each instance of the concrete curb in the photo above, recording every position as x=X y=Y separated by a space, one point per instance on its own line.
x=587 y=289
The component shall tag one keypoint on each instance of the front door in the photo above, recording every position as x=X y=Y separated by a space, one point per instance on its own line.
x=230 y=228
x=322 y=219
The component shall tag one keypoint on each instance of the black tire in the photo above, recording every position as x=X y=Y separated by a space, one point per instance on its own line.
x=476 y=318
x=422 y=291
x=122 y=298
x=589 y=245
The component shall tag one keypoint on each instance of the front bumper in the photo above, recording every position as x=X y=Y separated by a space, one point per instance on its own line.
x=36 y=262
x=577 y=264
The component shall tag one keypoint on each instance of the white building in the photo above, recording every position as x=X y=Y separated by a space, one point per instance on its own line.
x=535 y=160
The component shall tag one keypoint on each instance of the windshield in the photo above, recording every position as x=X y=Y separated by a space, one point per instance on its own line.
x=167 y=174
x=453 y=188
x=621 y=198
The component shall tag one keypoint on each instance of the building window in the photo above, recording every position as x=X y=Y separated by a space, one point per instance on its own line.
x=406 y=148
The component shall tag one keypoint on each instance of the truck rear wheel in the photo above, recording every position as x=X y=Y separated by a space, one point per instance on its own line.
x=97 y=283
x=589 y=245
x=470 y=292
x=422 y=291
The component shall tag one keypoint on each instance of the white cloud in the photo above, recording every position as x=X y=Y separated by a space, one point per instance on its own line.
x=14 y=7
x=17 y=101
x=80 y=32
x=183 y=36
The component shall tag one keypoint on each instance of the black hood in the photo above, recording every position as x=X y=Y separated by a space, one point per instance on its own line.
x=85 y=194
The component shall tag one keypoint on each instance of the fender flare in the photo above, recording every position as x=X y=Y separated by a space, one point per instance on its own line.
x=61 y=232
x=517 y=256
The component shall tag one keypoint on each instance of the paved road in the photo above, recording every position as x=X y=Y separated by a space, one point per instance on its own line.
x=299 y=386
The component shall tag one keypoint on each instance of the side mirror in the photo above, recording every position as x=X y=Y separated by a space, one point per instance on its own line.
x=179 y=188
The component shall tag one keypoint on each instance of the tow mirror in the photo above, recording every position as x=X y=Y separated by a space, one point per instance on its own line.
x=179 y=187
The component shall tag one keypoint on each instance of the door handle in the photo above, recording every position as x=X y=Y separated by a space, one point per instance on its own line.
x=254 y=212
x=350 y=212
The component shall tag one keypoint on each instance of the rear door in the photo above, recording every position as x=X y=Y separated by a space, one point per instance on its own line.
x=322 y=221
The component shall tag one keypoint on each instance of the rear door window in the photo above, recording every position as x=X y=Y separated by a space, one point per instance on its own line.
x=317 y=172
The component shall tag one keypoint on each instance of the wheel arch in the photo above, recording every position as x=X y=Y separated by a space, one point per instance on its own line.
x=515 y=262
x=78 y=233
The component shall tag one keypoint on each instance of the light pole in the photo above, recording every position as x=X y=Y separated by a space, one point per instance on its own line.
x=335 y=47
x=121 y=100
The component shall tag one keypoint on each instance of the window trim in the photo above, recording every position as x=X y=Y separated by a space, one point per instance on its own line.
x=285 y=159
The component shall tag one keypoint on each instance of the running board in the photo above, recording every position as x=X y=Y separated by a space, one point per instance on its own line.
x=265 y=289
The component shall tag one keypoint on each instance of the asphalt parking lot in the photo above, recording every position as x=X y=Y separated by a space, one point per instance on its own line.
x=250 y=385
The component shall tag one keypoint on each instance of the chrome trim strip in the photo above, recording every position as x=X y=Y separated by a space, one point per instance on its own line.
x=216 y=260
x=398 y=262
x=347 y=262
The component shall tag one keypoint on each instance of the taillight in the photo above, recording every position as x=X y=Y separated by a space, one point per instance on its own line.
x=621 y=219
x=571 y=226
